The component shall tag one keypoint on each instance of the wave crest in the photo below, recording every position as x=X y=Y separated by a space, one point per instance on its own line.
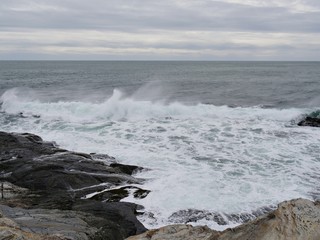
x=120 y=107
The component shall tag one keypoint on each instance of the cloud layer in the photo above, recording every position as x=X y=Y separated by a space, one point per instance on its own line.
x=160 y=30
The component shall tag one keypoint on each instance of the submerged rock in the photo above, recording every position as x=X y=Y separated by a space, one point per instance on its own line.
x=297 y=219
x=194 y=215
x=310 y=121
x=115 y=195
x=38 y=175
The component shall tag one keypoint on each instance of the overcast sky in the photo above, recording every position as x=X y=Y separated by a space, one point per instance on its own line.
x=160 y=29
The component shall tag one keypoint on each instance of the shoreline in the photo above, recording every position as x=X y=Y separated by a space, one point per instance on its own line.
x=45 y=186
x=78 y=195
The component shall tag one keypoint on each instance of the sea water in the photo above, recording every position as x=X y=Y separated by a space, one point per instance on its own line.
x=215 y=137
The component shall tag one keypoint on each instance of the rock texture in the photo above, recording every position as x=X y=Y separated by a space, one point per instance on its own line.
x=310 y=121
x=38 y=176
x=46 y=224
x=177 y=232
x=293 y=220
x=194 y=215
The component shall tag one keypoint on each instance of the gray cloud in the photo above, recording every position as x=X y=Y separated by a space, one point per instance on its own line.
x=137 y=14
x=183 y=27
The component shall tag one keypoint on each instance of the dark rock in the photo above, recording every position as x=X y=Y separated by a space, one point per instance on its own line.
x=194 y=215
x=115 y=195
x=120 y=213
x=55 y=178
x=128 y=169
x=103 y=157
x=140 y=193
x=29 y=162
x=310 y=121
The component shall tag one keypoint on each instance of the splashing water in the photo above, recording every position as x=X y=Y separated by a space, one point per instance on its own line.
x=212 y=158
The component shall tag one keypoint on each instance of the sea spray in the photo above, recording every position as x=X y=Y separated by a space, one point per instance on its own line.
x=118 y=106
x=204 y=157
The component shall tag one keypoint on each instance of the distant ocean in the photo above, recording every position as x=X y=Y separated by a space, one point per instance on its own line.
x=218 y=137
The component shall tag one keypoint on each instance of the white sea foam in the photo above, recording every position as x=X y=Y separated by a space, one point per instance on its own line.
x=206 y=157
x=118 y=107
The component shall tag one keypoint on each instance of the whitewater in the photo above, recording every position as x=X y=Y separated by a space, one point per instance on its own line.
x=221 y=159
x=231 y=158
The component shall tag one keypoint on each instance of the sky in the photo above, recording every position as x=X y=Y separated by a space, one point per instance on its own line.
x=160 y=30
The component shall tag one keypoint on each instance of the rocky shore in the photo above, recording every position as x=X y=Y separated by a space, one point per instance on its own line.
x=297 y=219
x=51 y=193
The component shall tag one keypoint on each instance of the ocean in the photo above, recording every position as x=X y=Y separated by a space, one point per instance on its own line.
x=214 y=137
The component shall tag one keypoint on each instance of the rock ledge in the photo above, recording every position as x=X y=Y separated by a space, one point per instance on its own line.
x=51 y=193
x=297 y=219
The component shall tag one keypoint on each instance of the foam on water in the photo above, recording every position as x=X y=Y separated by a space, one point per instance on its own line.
x=118 y=107
x=218 y=159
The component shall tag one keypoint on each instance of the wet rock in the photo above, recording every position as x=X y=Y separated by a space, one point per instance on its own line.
x=194 y=215
x=246 y=217
x=120 y=214
x=43 y=176
x=297 y=219
x=27 y=161
x=128 y=169
x=310 y=121
x=115 y=195
x=141 y=193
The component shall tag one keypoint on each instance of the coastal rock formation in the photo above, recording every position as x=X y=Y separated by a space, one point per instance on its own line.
x=18 y=223
x=310 y=121
x=297 y=219
x=36 y=175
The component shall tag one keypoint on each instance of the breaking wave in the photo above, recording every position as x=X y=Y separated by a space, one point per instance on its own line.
x=120 y=107
x=214 y=160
